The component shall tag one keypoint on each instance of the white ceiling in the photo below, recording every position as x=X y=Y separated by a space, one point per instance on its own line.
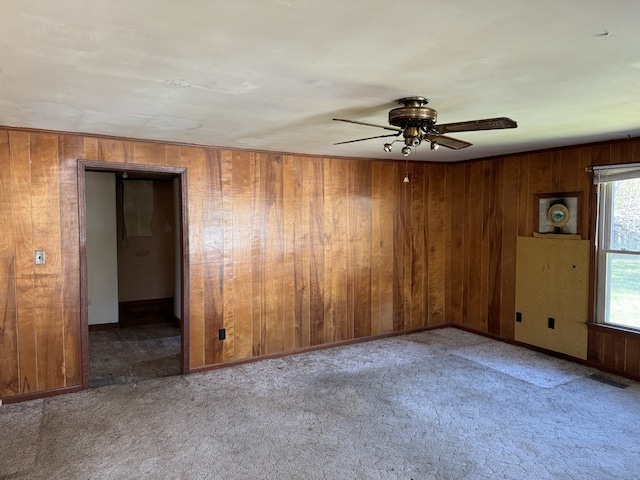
x=271 y=74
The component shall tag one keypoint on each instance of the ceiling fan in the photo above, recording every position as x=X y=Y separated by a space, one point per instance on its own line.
x=417 y=123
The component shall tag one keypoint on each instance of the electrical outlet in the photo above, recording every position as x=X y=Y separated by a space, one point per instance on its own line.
x=39 y=257
x=551 y=323
x=222 y=334
x=519 y=317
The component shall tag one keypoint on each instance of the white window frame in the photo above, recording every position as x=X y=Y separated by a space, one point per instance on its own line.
x=603 y=178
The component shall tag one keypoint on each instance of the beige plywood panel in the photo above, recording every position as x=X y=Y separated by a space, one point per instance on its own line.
x=552 y=282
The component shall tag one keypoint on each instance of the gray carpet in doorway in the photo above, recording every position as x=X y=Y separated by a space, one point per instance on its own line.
x=444 y=404
x=134 y=353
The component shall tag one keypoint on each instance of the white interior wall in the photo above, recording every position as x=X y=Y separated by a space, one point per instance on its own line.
x=102 y=264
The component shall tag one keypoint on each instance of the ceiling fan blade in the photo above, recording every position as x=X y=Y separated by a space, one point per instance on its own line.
x=448 y=142
x=369 y=138
x=368 y=124
x=471 y=125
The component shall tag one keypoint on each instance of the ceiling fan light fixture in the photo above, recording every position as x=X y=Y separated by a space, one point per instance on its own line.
x=417 y=123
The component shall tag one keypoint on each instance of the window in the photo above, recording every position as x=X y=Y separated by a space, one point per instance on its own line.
x=618 y=245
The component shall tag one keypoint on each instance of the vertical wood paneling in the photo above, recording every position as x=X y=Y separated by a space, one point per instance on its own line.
x=258 y=229
x=335 y=293
x=213 y=244
x=635 y=149
x=569 y=176
x=192 y=159
x=522 y=177
x=315 y=173
x=228 y=307
x=619 y=347
x=302 y=187
x=71 y=147
x=172 y=154
x=150 y=153
x=632 y=357
x=361 y=244
x=376 y=204
x=399 y=247
x=610 y=356
x=9 y=374
x=91 y=149
x=524 y=217
x=448 y=241
x=252 y=330
x=419 y=273
x=540 y=181
x=407 y=239
x=510 y=214
x=556 y=171
x=585 y=185
x=475 y=204
x=436 y=252
x=387 y=247
x=273 y=253
x=350 y=259
x=336 y=219
x=288 y=251
x=457 y=222
x=243 y=256
x=541 y=172
x=110 y=150
x=429 y=238
x=488 y=187
x=23 y=243
x=601 y=154
x=621 y=152
x=466 y=248
x=47 y=278
x=288 y=264
x=595 y=346
x=495 y=237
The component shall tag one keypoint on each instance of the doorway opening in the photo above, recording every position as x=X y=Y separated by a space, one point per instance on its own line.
x=133 y=247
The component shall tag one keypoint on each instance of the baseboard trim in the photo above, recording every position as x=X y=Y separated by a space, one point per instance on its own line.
x=551 y=353
x=59 y=391
x=326 y=346
x=144 y=312
x=24 y=397
x=103 y=326
x=314 y=348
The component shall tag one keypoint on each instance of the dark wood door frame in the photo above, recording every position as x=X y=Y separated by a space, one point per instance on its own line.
x=181 y=174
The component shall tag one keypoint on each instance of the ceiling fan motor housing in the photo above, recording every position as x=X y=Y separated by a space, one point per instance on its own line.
x=414 y=117
x=413 y=113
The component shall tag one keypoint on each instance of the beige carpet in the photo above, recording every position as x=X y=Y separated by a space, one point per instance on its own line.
x=443 y=404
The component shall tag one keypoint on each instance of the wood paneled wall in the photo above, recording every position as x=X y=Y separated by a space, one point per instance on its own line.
x=493 y=202
x=493 y=205
x=286 y=251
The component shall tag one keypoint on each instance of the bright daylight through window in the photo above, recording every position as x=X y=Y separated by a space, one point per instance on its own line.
x=618 y=242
